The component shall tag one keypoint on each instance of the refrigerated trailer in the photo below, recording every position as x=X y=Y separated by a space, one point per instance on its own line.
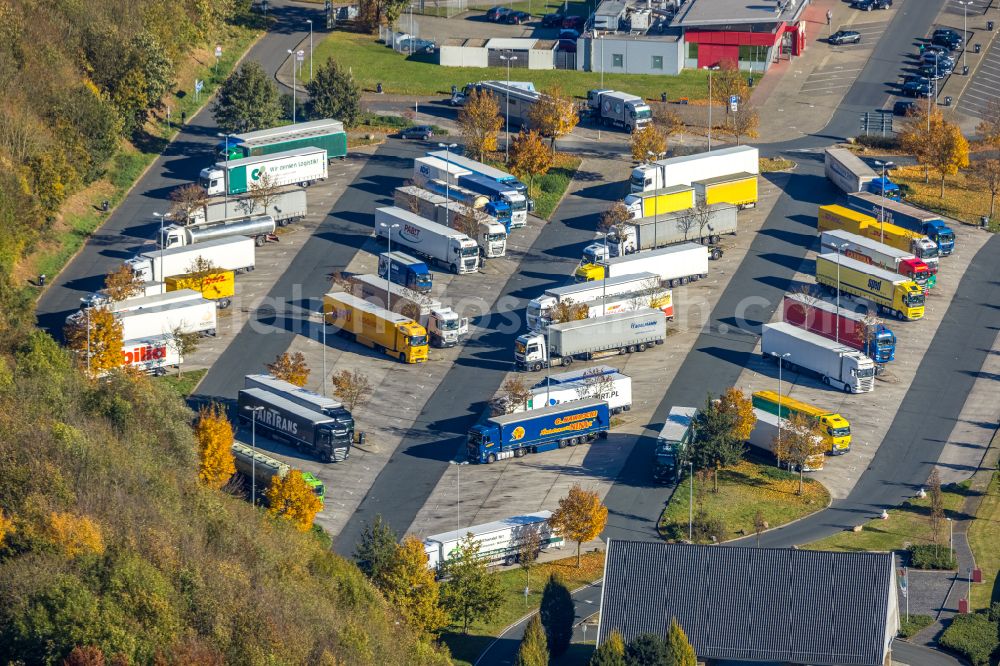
x=500 y=541
x=765 y=435
x=870 y=251
x=189 y=316
x=303 y=166
x=612 y=387
x=699 y=225
x=586 y=339
x=846 y=170
x=854 y=329
x=231 y=254
x=686 y=169
x=836 y=364
x=288 y=205
x=674 y=265
x=434 y=241
x=539 y=308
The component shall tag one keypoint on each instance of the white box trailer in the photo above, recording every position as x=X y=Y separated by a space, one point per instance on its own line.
x=499 y=540
x=445 y=327
x=491 y=236
x=228 y=254
x=674 y=265
x=687 y=169
x=194 y=316
x=434 y=241
x=692 y=225
x=586 y=339
x=539 y=308
x=100 y=298
x=152 y=355
x=302 y=166
x=288 y=205
x=846 y=170
x=614 y=388
x=835 y=363
x=764 y=436
x=432 y=168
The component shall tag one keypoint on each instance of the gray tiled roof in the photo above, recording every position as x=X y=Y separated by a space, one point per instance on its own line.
x=753 y=604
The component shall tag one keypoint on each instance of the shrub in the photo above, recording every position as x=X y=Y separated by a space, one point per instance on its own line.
x=972 y=636
x=913 y=626
x=876 y=141
x=931 y=556
x=704 y=527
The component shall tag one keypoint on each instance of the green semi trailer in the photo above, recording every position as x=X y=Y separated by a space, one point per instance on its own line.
x=252 y=463
x=327 y=134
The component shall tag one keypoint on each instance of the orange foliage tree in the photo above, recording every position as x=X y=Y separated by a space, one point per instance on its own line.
x=122 y=283
x=214 y=433
x=581 y=516
x=648 y=140
x=480 y=122
x=75 y=535
x=101 y=349
x=736 y=402
x=292 y=499
x=529 y=157
x=554 y=115
x=290 y=367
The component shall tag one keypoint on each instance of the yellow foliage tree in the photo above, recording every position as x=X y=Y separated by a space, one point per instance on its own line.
x=736 y=402
x=214 y=433
x=292 y=499
x=290 y=367
x=6 y=526
x=75 y=535
x=101 y=348
x=122 y=283
x=948 y=150
x=799 y=442
x=648 y=140
x=410 y=587
x=529 y=157
x=480 y=122
x=554 y=115
x=581 y=516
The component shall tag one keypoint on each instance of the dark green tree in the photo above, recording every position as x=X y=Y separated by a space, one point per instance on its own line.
x=534 y=649
x=376 y=552
x=715 y=444
x=680 y=648
x=610 y=653
x=647 y=650
x=333 y=93
x=471 y=591
x=557 y=614
x=248 y=100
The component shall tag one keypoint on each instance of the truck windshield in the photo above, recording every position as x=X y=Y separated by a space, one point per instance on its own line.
x=418 y=340
x=644 y=113
x=638 y=180
x=928 y=251
x=839 y=432
x=470 y=251
x=946 y=237
x=205 y=182
x=519 y=205
x=424 y=281
x=448 y=324
x=866 y=372
x=319 y=489
x=885 y=340
x=915 y=300
x=496 y=237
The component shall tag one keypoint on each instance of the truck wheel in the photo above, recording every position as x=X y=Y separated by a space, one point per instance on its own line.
x=901 y=316
x=567 y=361
x=573 y=441
x=224 y=303
x=683 y=281
x=562 y=443
x=259 y=241
x=325 y=457
x=454 y=269
x=623 y=351
x=603 y=434
x=714 y=239
x=536 y=367
x=848 y=388
x=491 y=458
x=402 y=357
x=641 y=347
x=518 y=453
x=631 y=349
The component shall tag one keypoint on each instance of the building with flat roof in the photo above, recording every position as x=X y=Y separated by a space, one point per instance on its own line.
x=754 y=604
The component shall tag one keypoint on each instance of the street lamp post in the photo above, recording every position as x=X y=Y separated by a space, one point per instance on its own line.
x=458 y=485
x=323 y=315
x=781 y=357
x=163 y=241
x=447 y=181
x=390 y=227
x=86 y=311
x=709 y=110
x=225 y=187
x=292 y=53
x=965 y=32
x=881 y=222
x=253 y=409
x=506 y=148
x=656 y=206
x=309 y=21
x=604 y=282
x=836 y=320
x=951 y=538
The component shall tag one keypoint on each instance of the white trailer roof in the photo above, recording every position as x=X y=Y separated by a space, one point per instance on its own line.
x=232 y=164
x=678 y=421
x=379 y=285
x=196 y=248
x=864 y=241
x=571 y=289
x=577 y=375
x=495 y=526
x=289 y=131
x=722 y=152
x=662 y=252
x=874 y=271
x=794 y=331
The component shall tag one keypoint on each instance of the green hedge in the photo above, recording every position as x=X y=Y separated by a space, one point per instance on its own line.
x=931 y=557
x=913 y=626
x=972 y=636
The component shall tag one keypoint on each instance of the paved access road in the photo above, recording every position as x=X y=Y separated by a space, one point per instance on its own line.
x=132 y=224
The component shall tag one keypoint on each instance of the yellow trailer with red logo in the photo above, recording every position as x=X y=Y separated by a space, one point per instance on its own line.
x=218 y=286
x=384 y=331
x=834 y=217
x=891 y=292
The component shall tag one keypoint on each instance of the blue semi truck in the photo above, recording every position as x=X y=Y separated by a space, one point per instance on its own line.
x=906 y=216
x=556 y=427
x=402 y=269
x=499 y=192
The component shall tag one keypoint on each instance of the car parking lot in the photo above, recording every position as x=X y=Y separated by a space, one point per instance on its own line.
x=985 y=83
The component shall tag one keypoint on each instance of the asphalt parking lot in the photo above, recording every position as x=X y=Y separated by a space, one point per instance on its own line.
x=984 y=85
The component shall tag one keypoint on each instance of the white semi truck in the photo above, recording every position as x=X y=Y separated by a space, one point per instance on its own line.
x=500 y=540
x=260 y=229
x=288 y=205
x=687 y=169
x=838 y=365
x=432 y=168
x=587 y=339
x=302 y=166
x=674 y=265
x=619 y=109
x=613 y=387
x=693 y=225
x=434 y=241
x=846 y=170
x=765 y=436
x=444 y=326
x=152 y=355
x=491 y=236
x=230 y=254
x=191 y=316
x=539 y=308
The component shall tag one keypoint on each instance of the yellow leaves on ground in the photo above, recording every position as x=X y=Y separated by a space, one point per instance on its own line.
x=75 y=535
x=292 y=499
x=215 y=440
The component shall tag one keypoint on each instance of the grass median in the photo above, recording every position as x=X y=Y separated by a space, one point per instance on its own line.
x=984 y=539
x=743 y=491
x=183 y=385
x=372 y=62
x=466 y=648
x=963 y=199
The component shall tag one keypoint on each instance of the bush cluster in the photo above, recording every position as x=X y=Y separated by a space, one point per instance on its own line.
x=972 y=636
x=931 y=556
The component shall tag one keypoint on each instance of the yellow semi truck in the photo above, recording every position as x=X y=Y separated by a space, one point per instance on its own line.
x=218 y=286
x=836 y=429
x=835 y=217
x=384 y=331
x=891 y=292
x=738 y=189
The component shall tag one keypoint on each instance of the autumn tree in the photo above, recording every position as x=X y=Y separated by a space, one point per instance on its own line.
x=580 y=517
x=714 y=444
x=333 y=93
x=6 y=526
x=989 y=124
x=759 y=524
x=801 y=440
x=615 y=219
x=529 y=157
x=471 y=592
x=373 y=13
x=352 y=387
x=248 y=100
x=648 y=140
x=568 y=310
x=553 y=115
x=214 y=434
x=514 y=392
x=262 y=192
x=480 y=122
x=679 y=647
x=557 y=613
x=529 y=547
x=948 y=150
x=185 y=200
x=409 y=587
x=986 y=173
x=183 y=343
x=936 y=516
x=741 y=406
x=291 y=498
x=122 y=283
x=745 y=122
x=290 y=367
x=95 y=335
x=85 y=655
x=534 y=649
x=609 y=653
x=75 y=534
x=375 y=551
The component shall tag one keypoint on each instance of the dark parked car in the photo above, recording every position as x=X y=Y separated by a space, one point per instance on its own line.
x=573 y=23
x=497 y=14
x=904 y=108
x=567 y=45
x=931 y=73
x=553 y=20
x=422 y=132
x=571 y=35
x=936 y=48
x=868 y=5
x=517 y=18
x=845 y=37
x=917 y=87
x=946 y=37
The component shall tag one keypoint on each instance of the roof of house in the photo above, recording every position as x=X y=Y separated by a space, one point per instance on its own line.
x=697 y=13
x=754 y=604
